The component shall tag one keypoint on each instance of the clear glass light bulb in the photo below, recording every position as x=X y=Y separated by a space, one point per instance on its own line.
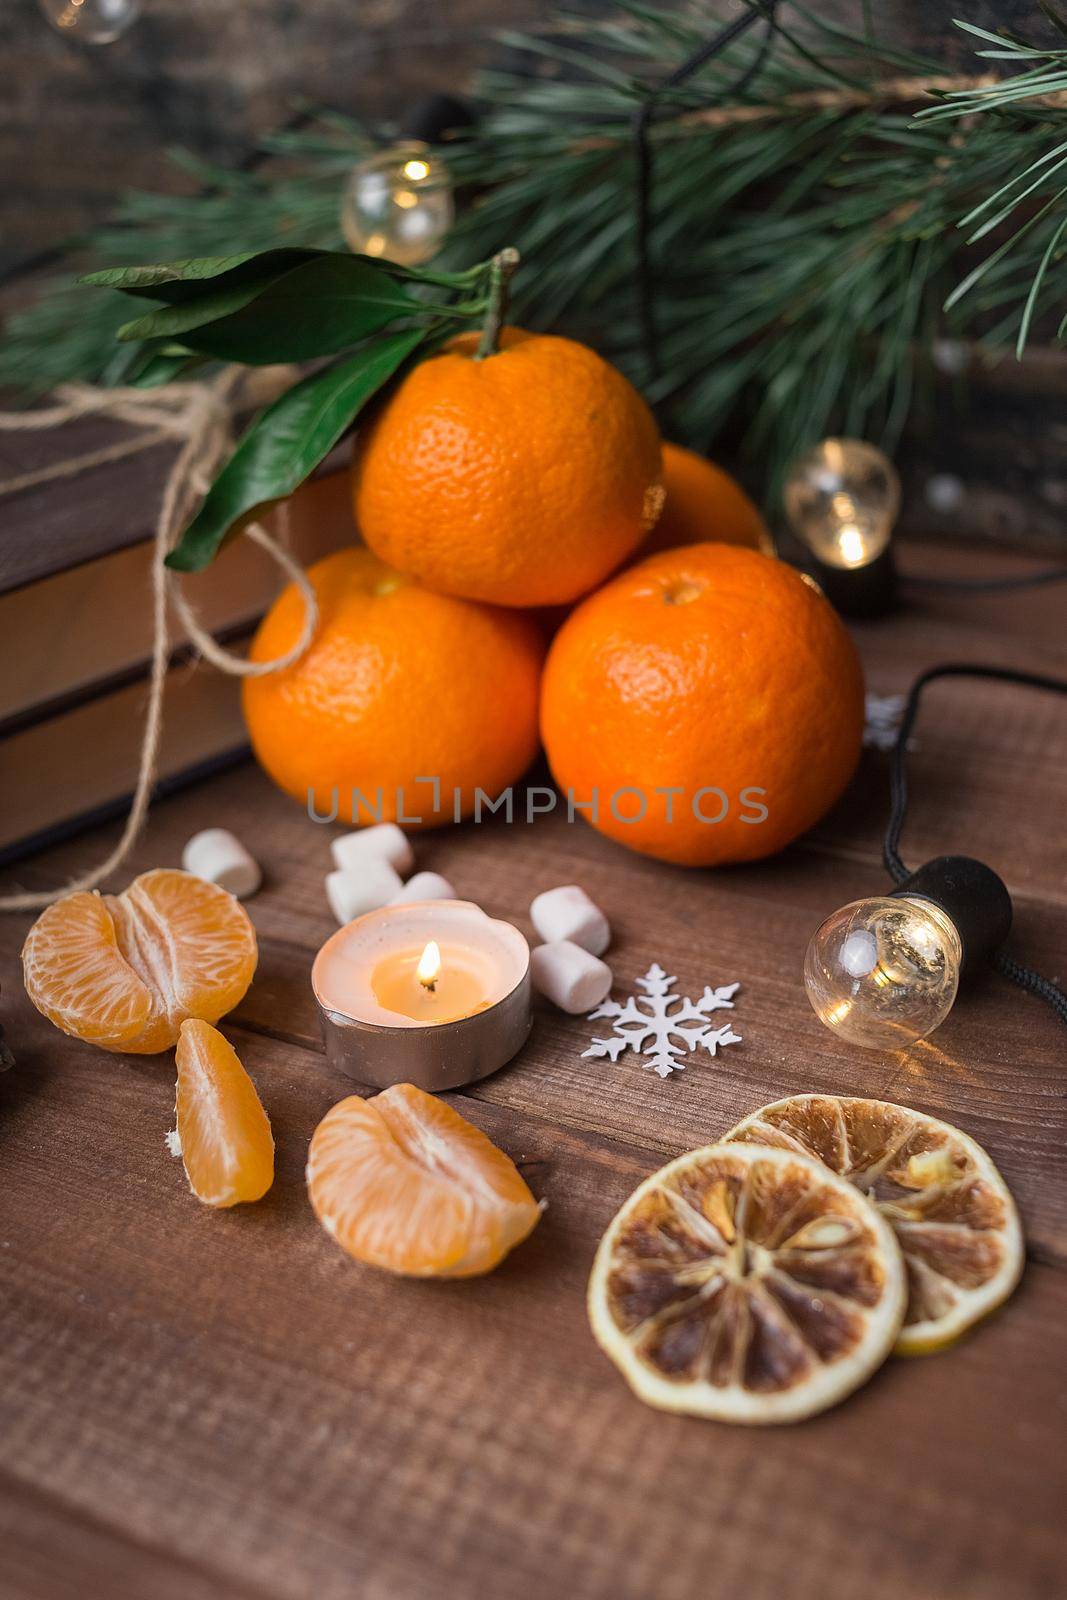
x=884 y=972
x=842 y=500
x=398 y=205
x=92 y=21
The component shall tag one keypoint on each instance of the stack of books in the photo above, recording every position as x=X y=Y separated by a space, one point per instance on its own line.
x=76 y=640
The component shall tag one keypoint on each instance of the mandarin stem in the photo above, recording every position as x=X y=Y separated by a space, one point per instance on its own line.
x=500 y=272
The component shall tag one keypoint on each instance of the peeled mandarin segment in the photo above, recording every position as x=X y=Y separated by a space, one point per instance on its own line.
x=403 y=1182
x=125 y=971
x=951 y=1211
x=192 y=940
x=77 y=977
x=227 y=1147
x=747 y=1284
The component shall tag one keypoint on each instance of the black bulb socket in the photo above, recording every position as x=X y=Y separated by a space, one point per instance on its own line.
x=867 y=591
x=973 y=896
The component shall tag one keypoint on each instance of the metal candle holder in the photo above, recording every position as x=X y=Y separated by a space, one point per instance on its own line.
x=433 y=1056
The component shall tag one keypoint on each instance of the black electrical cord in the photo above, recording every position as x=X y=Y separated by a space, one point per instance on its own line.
x=642 y=123
x=1025 y=977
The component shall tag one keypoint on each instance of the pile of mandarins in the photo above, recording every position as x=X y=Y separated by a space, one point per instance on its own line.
x=491 y=492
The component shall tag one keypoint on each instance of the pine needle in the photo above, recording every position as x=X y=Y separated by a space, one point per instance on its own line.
x=805 y=235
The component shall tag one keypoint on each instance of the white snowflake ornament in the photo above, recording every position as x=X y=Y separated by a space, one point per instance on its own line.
x=659 y=1035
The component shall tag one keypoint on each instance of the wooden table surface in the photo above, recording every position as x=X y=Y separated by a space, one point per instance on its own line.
x=197 y=1404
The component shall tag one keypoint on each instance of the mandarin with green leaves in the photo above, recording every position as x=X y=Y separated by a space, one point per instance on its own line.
x=522 y=478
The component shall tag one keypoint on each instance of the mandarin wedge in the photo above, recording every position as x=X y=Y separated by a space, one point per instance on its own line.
x=952 y=1212
x=125 y=971
x=224 y=1134
x=401 y=1181
x=747 y=1284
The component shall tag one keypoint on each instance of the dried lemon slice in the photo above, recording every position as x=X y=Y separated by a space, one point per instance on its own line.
x=748 y=1284
x=951 y=1211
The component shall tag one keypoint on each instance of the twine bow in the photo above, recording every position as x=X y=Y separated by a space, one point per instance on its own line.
x=199 y=416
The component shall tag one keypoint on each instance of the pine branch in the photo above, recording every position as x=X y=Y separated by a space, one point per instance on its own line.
x=882 y=95
x=805 y=232
x=799 y=278
x=1030 y=196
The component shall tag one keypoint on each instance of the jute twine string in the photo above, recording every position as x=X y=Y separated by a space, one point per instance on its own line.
x=200 y=417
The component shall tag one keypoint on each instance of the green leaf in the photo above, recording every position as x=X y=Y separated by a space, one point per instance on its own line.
x=179 y=281
x=164 y=366
x=141 y=280
x=287 y=441
x=318 y=309
x=199 y=309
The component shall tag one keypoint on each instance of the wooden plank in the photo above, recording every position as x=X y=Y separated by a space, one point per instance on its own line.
x=990 y=766
x=48 y=1551
x=48 y=529
x=995 y=1067
x=79 y=526
x=211 y=1403
x=229 y=1390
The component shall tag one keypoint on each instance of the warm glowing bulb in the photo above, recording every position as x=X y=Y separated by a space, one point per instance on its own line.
x=884 y=972
x=853 y=547
x=429 y=967
x=842 y=500
x=92 y=21
x=398 y=205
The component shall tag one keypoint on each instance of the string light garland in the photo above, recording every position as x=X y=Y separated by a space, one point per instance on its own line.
x=842 y=498
x=884 y=972
x=92 y=21
x=841 y=501
x=398 y=204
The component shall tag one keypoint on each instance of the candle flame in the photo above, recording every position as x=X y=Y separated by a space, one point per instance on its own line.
x=429 y=966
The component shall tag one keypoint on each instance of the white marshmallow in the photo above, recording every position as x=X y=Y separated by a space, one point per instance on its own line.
x=569 y=976
x=219 y=857
x=568 y=913
x=383 y=842
x=353 y=890
x=425 y=886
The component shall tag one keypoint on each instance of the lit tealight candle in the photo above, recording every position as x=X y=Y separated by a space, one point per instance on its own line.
x=433 y=993
x=427 y=987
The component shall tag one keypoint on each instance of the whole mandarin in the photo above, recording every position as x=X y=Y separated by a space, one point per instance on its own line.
x=703 y=503
x=719 y=673
x=522 y=479
x=399 y=685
